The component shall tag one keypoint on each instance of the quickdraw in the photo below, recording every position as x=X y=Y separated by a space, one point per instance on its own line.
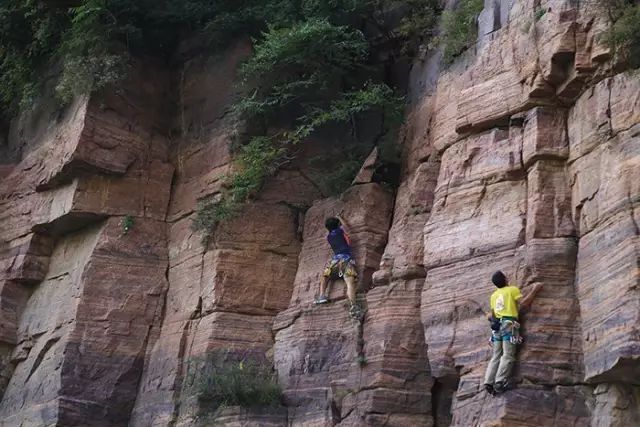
x=507 y=329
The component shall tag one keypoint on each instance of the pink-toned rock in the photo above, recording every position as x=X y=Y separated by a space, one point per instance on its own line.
x=524 y=407
x=607 y=288
x=552 y=352
x=254 y=262
x=522 y=156
x=365 y=174
x=241 y=417
x=549 y=201
x=454 y=300
x=613 y=106
x=366 y=208
x=442 y=132
x=544 y=135
x=26 y=259
x=202 y=155
x=496 y=214
x=395 y=386
x=404 y=252
x=316 y=349
x=317 y=363
x=83 y=357
x=80 y=294
x=614 y=405
x=5 y=170
x=222 y=297
x=605 y=181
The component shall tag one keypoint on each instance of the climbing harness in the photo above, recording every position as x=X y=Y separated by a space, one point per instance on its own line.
x=506 y=329
x=339 y=266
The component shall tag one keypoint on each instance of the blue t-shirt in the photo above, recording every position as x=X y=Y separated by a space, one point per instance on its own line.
x=339 y=242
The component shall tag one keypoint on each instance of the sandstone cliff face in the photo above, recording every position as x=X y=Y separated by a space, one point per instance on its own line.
x=524 y=156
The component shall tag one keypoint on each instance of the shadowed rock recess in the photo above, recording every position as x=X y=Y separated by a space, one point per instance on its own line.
x=523 y=156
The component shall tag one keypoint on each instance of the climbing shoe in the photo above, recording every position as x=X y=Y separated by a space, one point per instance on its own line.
x=489 y=389
x=501 y=387
x=356 y=312
x=321 y=300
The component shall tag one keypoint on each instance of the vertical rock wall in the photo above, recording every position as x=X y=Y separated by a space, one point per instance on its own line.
x=523 y=156
x=316 y=350
x=80 y=294
x=224 y=294
x=515 y=125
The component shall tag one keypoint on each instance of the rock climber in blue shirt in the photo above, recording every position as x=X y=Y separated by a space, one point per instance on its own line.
x=341 y=265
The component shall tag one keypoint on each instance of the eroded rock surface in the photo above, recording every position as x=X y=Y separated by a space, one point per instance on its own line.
x=523 y=156
x=81 y=292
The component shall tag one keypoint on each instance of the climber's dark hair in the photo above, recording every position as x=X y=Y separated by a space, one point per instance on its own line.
x=499 y=279
x=332 y=223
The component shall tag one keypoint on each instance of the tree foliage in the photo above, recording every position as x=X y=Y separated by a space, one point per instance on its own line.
x=91 y=40
x=459 y=28
x=314 y=65
x=303 y=64
x=29 y=35
x=624 y=33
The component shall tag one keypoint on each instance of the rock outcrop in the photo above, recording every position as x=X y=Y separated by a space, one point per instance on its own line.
x=80 y=294
x=523 y=156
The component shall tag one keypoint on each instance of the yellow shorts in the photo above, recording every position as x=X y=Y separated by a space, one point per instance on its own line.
x=338 y=267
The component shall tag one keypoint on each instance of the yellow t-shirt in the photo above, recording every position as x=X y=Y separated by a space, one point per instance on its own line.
x=504 y=301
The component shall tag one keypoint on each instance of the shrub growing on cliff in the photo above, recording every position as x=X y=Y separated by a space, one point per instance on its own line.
x=459 y=28
x=624 y=34
x=29 y=34
x=302 y=79
x=312 y=67
x=90 y=59
x=91 y=40
x=255 y=161
x=296 y=64
x=418 y=26
x=247 y=383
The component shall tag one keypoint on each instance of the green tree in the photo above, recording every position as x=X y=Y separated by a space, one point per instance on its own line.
x=459 y=28
x=624 y=33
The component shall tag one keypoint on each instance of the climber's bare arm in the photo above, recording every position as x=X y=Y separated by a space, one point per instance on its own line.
x=345 y=226
x=526 y=300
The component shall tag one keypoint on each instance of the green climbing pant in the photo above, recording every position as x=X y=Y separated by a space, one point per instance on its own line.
x=502 y=360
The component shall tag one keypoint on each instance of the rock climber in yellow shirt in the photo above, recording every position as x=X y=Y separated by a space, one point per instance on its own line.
x=505 y=303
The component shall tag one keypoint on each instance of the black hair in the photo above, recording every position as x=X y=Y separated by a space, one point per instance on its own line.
x=499 y=279
x=332 y=223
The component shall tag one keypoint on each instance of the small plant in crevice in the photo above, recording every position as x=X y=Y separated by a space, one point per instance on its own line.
x=459 y=28
x=246 y=382
x=340 y=394
x=539 y=13
x=260 y=158
x=362 y=361
x=127 y=224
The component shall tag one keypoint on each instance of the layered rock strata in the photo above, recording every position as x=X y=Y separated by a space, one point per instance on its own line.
x=522 y=156
x=81 y=293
